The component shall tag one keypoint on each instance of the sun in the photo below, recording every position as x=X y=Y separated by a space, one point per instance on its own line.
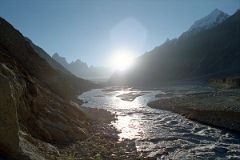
x=122 y=60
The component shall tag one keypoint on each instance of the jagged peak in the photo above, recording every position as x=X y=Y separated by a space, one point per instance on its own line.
x=217 y=11
x=56 y=55
x=214 y=18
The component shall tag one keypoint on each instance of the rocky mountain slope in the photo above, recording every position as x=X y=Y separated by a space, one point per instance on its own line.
x=209 y=53
x=35 y=100
x=81 y=69
x=54 y=64
x=213 y=19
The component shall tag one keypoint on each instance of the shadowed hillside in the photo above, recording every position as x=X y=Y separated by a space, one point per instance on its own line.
x=15 y=45
x=201 y=55
x=34 y=99
x=54 y=64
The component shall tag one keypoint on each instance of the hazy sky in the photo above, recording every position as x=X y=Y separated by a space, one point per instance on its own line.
x=92 y=30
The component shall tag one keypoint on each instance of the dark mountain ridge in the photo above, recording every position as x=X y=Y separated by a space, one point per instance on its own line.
x=209 y=53
x=54 y=64
x=38 y=66
x=35 y=100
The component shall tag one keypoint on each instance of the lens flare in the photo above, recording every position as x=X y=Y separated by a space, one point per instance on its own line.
x=122 y=60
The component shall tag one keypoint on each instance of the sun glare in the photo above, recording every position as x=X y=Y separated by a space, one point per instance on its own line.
x=122 y=60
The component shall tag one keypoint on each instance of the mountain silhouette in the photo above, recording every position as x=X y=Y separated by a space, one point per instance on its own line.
x=209 y=53
x=35 y=98
x=81 y=69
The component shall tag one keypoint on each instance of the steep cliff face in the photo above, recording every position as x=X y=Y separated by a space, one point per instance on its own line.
x=35 y=106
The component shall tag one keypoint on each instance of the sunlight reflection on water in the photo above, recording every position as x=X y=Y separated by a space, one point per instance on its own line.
x=162 y=133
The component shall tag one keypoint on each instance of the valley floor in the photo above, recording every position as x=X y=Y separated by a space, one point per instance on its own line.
x=102 y=142
x=220 y=108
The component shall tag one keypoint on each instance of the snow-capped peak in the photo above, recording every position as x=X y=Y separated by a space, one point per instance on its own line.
x=214 y=18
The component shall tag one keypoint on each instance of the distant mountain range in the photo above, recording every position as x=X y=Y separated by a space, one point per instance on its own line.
x=81 y=69
x=210 y=48
x=77 y=68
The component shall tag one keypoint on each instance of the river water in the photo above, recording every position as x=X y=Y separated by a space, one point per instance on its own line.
x=163 y=134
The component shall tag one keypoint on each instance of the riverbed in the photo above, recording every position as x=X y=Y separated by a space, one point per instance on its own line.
x=160 y=133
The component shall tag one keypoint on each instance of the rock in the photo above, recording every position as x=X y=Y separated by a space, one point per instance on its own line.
x=35 y=99
x=9 y=126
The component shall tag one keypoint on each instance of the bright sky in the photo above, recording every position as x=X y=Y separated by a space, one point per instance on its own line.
x=93 y=30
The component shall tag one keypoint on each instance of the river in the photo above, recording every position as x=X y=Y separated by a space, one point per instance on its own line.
x=160 y=133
